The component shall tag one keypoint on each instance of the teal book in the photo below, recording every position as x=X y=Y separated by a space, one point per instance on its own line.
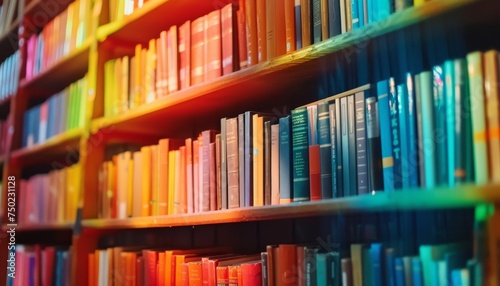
x=428 y=150
x=414 y=170
x=376 y=262
x=477 y=103
x=417 y=272
x=402 y=110
x=430 y=255
x=300 y=155
x=449 y=93
x=367 y=267
x=440 y=126
x=384 y=9
x=325 y=149
x=321 y=266
x=316 y=21
x=355 y=17
x=385 y=134
x=310 y=256
x=396 y=134
x=285 y=150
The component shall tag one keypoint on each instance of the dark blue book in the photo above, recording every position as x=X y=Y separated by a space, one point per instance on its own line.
x=59 y=268
x=339 y=147
x=389 y=267
x=285 y=149
x=395 y=132
x=385 y=134
x=325 y=149
x=300 y=155
x=241 y=157
x=361 y=152
x=346 y=179
x=26 y=120
x=375 y=169
x=351 y=116
x=399 y=271
x=316 y=20
x=333 y=151
x=298 y=25
x=417 y=272
x=376 y=250
x=334 y=25
x=441 y=155
x=248 y=155
x=413 y=160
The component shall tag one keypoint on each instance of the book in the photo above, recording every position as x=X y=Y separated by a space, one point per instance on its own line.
x=300 y=156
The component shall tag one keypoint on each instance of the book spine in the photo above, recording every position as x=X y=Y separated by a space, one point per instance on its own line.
x=261 y=30
x=375 y=168
x=412 y=134
x=305 y=14
x=298 y=25
x=333 y=151
x=334 y=25
x=267 y=163
x=248 y=160
x=361 y=142
x=402 y=110
x=339 y=147
x=428 y=147
x=395 y=130
x=233 y=191
x=228 y=38
x=275 y=165
x=300 y=155
x=285 y=152
x=324 y=141
x=214 y=46
x=316 y=21
x=491 y=66
x=241 y=158
x=224 y=164
x=440 y=126
x=242 y=35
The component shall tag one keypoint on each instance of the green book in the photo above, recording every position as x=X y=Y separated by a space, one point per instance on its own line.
x=300 y=155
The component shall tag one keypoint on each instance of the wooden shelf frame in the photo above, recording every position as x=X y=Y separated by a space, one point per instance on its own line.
x=417 y=199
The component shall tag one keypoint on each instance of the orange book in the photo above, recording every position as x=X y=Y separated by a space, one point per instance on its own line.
x=287 y=264
x=233 y=274
x=197 y=50
x=305 y=13
x=169 y=267
x=161 y=270
x=177 y=183
x=118 y=266
x=150 y=262
x=150 y=71
x=189 y=175
x=179 y=260
x=162 y=71
x=314 y=172
x=252 y=37
x=261 y=31
x=222 y=275
x=137 y=185
x=138 y=98
x=242 y=36
x=213 y=46
x=290 y=25
x=171 y=182
x=280 y=30
x=271 y=28
x=324 y=19
x=146 y=181
x=154 y=180
x=258 y=160
x=491 y=77
x=123 y=162
x=228 y=32
x=185 y=55
x=97 y=256
x=271 y=264
x=195 y=274
x=92 y=275
x=131 y=261
x=130 y=185
x=173 y=61
x=112 y=193
x=164 y=147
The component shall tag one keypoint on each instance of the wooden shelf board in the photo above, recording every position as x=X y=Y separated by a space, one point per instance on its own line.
x=55 y=145
x=441 y=198
x=67 y=70
x=266 y=80
x=9 y=40
x=40 y=227
x=155 y=16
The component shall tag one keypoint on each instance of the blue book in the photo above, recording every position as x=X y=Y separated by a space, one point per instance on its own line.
x=333 y=151
x=35 y=121
x=402 y=110
x=454 y=260
x=334 y=25
x=316 y=21
x=412 y=134
x=362 y=7
x=339 y=148
x=355 y=14
x=59 y=268
x=361 y=152
x=417 y=272
x=385 y=134
x=300 y=155
x=286 y=190
x=399 y=271
x=395 y=130
x=376 y=264
x=325 y=149
x=390 y=274
x=441 y=155
x=449 y=94
x=298 y=25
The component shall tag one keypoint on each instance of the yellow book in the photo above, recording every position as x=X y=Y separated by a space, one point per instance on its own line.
x=491 y=88
x=149 y=76
x=137 y=99
x=108 y=88
x=418 y=2
x=124 y=80
x=61 y=197
x=117 y=84
x=146 y=181
x=258 y=160
x=130 y=186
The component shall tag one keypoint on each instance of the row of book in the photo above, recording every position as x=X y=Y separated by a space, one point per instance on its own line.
x=226 y=40
x=421 y=132
x=7 y=15
x=121 y=8
x=38 y=265
x=61 y=112
x=286 y=264
x=60 y=36
x=9 y=72
x=50 y=198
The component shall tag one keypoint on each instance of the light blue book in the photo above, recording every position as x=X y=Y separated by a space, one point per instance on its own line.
x=449 y=90
x=385 y=134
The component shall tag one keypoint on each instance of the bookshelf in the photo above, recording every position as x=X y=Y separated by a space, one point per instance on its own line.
x=281 y=84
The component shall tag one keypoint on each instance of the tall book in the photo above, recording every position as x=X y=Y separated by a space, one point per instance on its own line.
x=361 y=142
x=324 y=141
x=233 y=176
x=373 y=146
x=198 y=50
x=213 y=46
x=229 y=39
x=285 y=162
x=300 y=155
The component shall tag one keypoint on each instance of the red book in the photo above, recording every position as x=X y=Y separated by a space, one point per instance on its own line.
x=205 y=269
x=251 y=274
x=233 y=274
x=218 y=172
x=173 y=61
x=185 y=55
x=280 y=28
x=139 y=278
x=48 y=261
x=228 y=31
x=150 y=260
x=197 y=50
x=287 y=265
x=222 y=275
x=314 y=172
x=242 y=35
x=261 y=30
x=213 y=45
x=184 y=275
